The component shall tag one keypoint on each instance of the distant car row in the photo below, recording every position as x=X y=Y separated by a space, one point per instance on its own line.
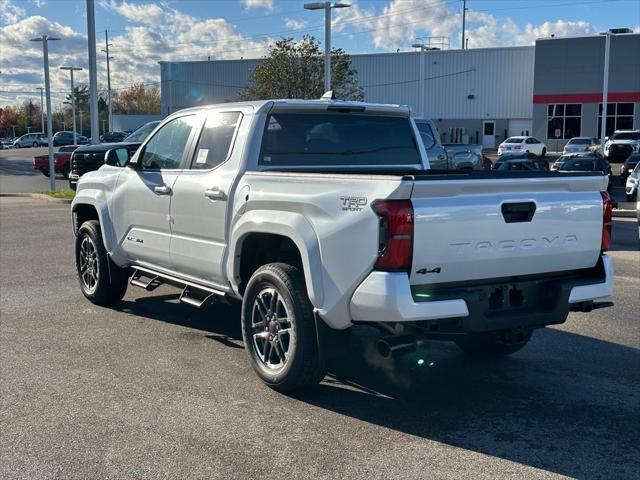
x=61 y=138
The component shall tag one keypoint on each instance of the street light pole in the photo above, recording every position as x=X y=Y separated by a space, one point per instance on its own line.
x=106 y=50
x=14 y=131
x=605 y=91
x=327 y=6
x=422 y=48
x=45 y=52
x=73 y=100
x=93 y=72
x=80 y=112
x=41 y=109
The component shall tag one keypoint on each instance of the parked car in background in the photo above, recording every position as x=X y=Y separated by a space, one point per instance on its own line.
x=629 y=164
x=61 y=161
x=66 y=138
x=519 y=156
x=112 y=137
x=522 y=164
x=584 y=162
x=631 y=187
x=514 y=145
x=92 y=157
x=456 y=156
x=581 y=144
x=28 y=140
x=621 y=144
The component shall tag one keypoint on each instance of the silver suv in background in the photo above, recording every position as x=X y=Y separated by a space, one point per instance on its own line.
x=30 y=140
x=621 y=144
x=450 y=156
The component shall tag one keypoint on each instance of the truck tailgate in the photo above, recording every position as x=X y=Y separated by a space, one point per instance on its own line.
x=470 y=229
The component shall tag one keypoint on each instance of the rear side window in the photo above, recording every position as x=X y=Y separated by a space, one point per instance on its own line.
x=426 y=134
x=216 y=140
x=344 y=139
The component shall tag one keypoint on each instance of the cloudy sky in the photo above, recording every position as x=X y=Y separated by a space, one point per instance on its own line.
x=143 y=32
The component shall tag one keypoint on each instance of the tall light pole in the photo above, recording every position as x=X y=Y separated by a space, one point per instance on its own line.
x=106 y=50
x=605 y=90
x=13 y=127
x=464 y=18
x=422 y=48
x=93 y=72
x=41 y=109
x=80 y=112
x=327 y=6
x=45 y=52
x=73 y=100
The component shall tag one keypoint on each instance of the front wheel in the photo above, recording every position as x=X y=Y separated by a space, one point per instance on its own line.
x=34 y=144
x=101 y=280
x=278 y=328
x=544 y=153
x=494 y=344
x=65 y=171
x=631 y=197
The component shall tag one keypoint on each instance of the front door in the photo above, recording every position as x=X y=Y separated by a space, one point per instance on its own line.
x=489 y=134
x=140 y=203
x=201 y=199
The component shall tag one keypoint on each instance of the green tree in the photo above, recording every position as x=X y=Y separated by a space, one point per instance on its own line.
x=296 y=70
x=138 y=99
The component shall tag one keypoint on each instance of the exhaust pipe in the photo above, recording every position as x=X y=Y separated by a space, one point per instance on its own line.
x=397 y=345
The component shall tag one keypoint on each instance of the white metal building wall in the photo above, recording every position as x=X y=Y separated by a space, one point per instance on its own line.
x=500 y=80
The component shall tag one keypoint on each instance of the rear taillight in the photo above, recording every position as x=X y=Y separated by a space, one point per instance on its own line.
x=395 y=235
x=607 y=214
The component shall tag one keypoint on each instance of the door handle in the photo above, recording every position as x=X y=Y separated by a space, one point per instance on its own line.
x=162 y=189
x=214 y=194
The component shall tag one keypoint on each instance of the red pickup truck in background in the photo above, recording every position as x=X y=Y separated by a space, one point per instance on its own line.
x=61 y=161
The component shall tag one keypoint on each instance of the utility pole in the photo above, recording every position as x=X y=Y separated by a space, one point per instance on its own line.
x=464 y=17
x=73 y=100
x=422 y=48
x=106 y=50
x=45 y=52
x=41 y=109
x=93 y=72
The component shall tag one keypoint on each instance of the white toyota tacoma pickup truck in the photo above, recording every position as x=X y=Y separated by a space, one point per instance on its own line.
x=319 y=215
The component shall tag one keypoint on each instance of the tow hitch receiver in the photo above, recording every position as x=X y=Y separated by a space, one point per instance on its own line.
x=588 y=306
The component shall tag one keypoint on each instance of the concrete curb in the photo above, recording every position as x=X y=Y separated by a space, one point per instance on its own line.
x=624 y=213
x=39 y=196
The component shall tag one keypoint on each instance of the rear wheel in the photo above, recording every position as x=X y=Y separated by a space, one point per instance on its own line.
x=34 y=144
x=279 y=330
x=65 y=170
x=101 y=280
x=631 y=197
x=494 y=344
x=44 y=171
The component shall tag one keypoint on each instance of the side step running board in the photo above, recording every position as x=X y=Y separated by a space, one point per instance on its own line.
x=192 y=293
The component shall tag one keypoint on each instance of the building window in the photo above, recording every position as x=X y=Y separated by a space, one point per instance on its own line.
x=619 y=117
x=566 y=117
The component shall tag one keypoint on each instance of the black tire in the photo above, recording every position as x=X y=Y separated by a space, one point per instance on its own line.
x=630 y=198
x=45 y=172
x=544 y=152
x=493 y=344
x=66 y=169
x=302 y=365
x=109 y=281
x=34 y=144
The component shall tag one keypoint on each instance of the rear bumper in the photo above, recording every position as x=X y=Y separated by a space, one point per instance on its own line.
x=546 y=300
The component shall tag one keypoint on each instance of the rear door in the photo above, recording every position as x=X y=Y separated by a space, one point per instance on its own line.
x=201 y=199
x=483 y=228
x=141 y=201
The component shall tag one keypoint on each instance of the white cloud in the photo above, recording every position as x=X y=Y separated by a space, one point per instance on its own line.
x=266 y=4
x=294 y=24
x=147 y=13
x=10 y=12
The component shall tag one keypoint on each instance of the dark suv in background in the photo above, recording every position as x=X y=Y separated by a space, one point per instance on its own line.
x=91 y=157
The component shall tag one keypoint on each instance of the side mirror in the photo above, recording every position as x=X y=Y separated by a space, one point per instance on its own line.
x=117 y=157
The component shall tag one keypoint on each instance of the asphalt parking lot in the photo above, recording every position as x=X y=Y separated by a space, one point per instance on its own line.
x=156 y=389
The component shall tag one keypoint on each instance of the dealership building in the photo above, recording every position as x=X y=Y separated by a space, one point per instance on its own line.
x=478 y=95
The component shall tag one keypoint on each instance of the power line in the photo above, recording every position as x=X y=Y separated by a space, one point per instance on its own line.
x=453 y=74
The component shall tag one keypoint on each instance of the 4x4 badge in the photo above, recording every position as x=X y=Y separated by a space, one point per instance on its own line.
x=424 y=271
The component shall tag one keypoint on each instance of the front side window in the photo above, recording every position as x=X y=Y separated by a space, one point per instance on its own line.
x=565 y=117
x=214 y=146
x=165 y=149
x=342 y=139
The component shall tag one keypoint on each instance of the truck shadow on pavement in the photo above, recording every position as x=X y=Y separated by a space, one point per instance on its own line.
x=566 y=403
